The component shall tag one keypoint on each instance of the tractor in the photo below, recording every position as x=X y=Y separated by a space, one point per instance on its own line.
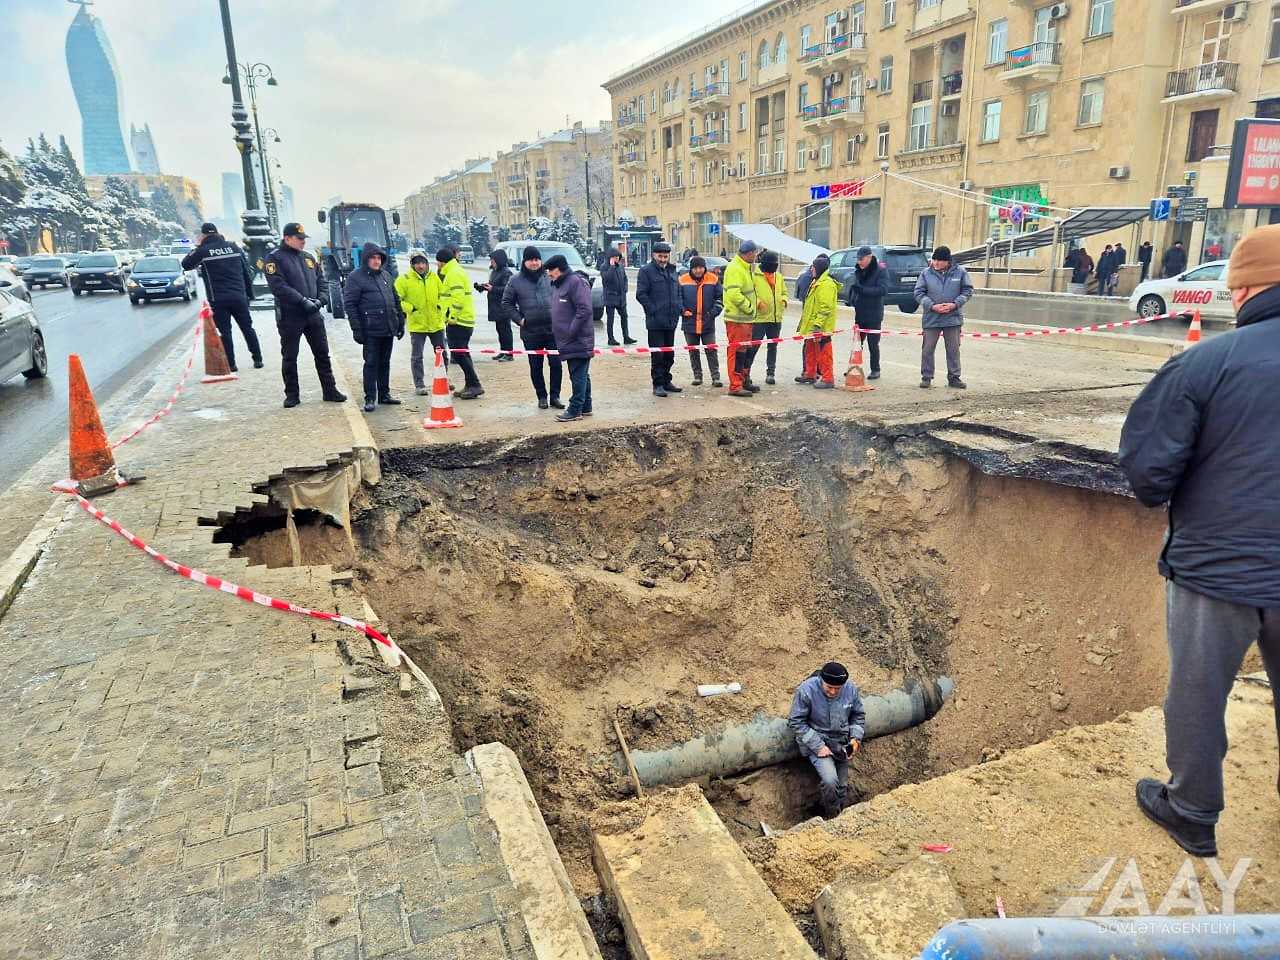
x=351 y=226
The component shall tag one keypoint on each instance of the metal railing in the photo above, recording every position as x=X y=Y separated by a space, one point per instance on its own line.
x=1218 y=75
x=1040 y=53
x=708 y=139
x=717 y=89
x=835 y=107
x=952 y=83
x=819 y=51
x=629 y=120
x=631 y=156
x=922 y=91
x=516 y=178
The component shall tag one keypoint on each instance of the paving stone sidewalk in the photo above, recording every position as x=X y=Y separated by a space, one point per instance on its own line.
x=185 y=775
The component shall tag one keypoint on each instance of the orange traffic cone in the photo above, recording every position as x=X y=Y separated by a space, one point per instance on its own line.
x=1193 y=331
x=216 y=368
x=854 y=380
x=93 y=467
x=442 y=414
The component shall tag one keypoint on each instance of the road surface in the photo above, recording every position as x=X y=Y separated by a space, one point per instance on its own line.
x=115 y=341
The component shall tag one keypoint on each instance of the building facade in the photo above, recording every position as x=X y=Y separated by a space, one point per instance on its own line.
x=145 y=158
x=982 y=105
x=96 y=83
x=457 y=196
x=185 y=191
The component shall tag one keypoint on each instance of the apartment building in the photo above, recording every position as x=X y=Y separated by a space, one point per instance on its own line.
x=543 y=177
x=1057 y=106
x=459 y=194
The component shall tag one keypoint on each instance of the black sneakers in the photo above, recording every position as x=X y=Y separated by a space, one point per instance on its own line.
x=291 y=402
x=335 y=397
x=1196 y=838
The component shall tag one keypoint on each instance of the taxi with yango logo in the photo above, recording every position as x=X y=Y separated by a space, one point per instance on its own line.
x=1202 y=288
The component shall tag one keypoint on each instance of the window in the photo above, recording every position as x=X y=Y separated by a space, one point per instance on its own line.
x=711 y=74
x=806 y=38
x=921 y=122
x=1037 y=118
x=762 y=156
x=1217 y=39
x=802 y=150
x=850 y=149
x=1101 y=14
x=780 y=50
x=779 y=154
x=831 y=27
x=708 y=172
x=742 y=116
x=1202 y=134
x=653 y=101
x=724 y=72
x=997 y=41
x=886 y=74
x=803 y=96
x=991 y=121
x=824 y=151
x=926 y=224
x=1091 y=101
x=1203 y=274
x=926 y=4
x=1046 y=30
x=858 y=18
x=742 y=65
x=882 y=142
x=762 y=55
x=1273 y=49
x=666 y=93
x=742 y=165
x=889 y=13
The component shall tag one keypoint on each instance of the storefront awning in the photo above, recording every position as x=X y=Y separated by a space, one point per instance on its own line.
x=767 y=235
x=1084 y=223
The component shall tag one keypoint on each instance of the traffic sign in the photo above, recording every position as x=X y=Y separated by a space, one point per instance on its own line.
x=1180 y=190
x=1160 y=208
x=624 y=225
x=713 y=229
x=1192 y=209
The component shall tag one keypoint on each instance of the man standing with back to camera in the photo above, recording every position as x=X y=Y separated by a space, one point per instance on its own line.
x=228 y=283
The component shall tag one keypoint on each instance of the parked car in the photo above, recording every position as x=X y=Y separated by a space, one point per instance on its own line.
x=903 y=263
x=21 y=342
x=12 y=282
x=8 y=260
x=42 y=271
x=549 y=248
x=159 y=278
x=466 y=254
x=1201 y=288
x=98 y=271
x=715 y=264
x=21 y=264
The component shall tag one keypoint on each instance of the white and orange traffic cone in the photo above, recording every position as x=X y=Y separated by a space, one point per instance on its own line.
x=854 y=379
x=442 y=414
x=216 y=367
x=93 y=466
x=1193 y=331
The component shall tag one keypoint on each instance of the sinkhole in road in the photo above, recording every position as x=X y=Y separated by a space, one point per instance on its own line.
x=549 y=585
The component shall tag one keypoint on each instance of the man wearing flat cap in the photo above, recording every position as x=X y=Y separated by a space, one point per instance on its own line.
x=828 y=722
x=1202 y=439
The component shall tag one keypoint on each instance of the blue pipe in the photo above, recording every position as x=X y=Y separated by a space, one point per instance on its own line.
x=1240 y=937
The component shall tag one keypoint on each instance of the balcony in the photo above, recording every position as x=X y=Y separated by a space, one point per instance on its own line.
x=515 y=178
x=671 y=193
x=1038 y=63
x=712 y=95
x=1207 y=81
x=713 y=141
x=630 y=159
x=843 y=51
x=518 y=203
x=838 y=112
x=1184 y=8
x=952 y=84
x=630 y=126
x=922 y=91
x=543 y=174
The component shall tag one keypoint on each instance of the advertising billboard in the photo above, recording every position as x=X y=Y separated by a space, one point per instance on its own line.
x=1253 y=177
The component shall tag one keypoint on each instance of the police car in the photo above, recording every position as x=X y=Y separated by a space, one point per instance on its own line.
x=1201 y=288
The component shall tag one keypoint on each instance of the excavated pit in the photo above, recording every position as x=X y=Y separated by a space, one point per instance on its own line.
x=550 y=585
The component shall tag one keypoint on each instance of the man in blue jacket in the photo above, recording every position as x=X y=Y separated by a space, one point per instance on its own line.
x=829 y=723
x=659 y=293
x=942 y=291
x=575 y=332
x=1201 y=438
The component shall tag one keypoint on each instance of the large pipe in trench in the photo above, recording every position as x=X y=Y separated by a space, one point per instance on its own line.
x=765 y=741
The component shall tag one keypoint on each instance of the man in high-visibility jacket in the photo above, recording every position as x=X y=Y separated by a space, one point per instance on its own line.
x=771 y=303
x=819 y=316
x=739 y=315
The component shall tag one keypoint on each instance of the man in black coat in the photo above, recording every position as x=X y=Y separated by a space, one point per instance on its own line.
x=294 y=278
x=527 y=299
x=228 y=284
x=499 y=277
x=658 y=291
x=1174 y=260
x=377 y=320
x=1144 y=257
x=614 y=285
x=870 y=287
x=1201 y=438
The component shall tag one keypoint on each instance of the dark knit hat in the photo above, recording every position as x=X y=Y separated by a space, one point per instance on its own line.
x=834 y=673
x=941 y=253
x=558 y=262
x=697 y=262
x=444 y=254
x=820 y=264
x=530 y=253
x=769 y=261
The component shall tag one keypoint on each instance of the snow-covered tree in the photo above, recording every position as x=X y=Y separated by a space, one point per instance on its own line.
x=600 y=171
x=570 y=232
x=504 y=234
x=541 y=228
x=164 y=205
x=12 y=189
x=478 y=236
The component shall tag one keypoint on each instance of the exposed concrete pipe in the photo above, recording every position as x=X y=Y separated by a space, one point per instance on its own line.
x=765 y=741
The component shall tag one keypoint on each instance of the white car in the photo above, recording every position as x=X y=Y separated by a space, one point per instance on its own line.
x=21 y=341
x=1201 y=288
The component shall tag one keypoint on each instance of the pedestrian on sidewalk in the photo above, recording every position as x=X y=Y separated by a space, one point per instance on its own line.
x=829 y=723
x=528 y=301
x=701 y=300
x=614 y=284
x=1144 y=257
x=419 y=293
x=771 y=304
x=818 y=316
x=942 y=291
x=373 y=311
x=575 y=333
x=870 y=287
x=1174 y=260
x=293 y=276
x=1201 y=439
x=1120 y=259
x=228 y=286
x=659 y=293
x=739 y=318
x=499 y=276
x=1106 y=263
x=459 y=319
x=1081 y=267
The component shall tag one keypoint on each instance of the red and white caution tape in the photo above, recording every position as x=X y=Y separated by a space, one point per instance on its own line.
x=168 y=407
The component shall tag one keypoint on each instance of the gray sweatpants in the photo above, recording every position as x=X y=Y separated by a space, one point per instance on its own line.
x=419 y=342
x=951 y=338
x=1208 y=640
x=833 y=775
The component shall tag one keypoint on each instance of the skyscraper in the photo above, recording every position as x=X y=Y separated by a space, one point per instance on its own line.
x=287 y=211
x=96 y=83
x=145 y=158
x=232 y=196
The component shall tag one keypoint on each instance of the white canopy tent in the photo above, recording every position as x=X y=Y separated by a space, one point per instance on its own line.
x=767 y=235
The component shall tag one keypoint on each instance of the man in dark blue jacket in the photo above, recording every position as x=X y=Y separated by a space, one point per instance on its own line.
x=228 y=283
x=527 y=298
x=659 y=293
x=377 y=319
x=1201 y=437
x=614 y=283
x=575 y=331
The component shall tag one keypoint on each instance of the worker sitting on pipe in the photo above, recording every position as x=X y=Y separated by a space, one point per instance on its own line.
x=829 y=723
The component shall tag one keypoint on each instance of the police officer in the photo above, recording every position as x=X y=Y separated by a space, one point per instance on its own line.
x=228 y=283
x=294 y=278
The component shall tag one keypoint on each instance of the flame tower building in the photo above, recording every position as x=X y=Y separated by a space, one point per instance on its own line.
x=96 y=83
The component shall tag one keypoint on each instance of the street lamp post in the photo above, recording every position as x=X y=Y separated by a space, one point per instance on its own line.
x=252 y=74
x=257 y=232
x=269 y=187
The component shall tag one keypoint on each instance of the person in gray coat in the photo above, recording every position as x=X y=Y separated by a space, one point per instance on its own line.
x=829 y=722
x=942 y=291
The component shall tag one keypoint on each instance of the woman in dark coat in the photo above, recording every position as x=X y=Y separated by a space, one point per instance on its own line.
x=870 y=286
x=499 y=276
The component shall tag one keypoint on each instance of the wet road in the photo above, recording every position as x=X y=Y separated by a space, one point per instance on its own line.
x=115 y=342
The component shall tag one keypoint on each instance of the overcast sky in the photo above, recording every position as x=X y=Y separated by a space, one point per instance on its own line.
x=367 y=107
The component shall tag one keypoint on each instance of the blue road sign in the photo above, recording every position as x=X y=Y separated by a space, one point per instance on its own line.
x=624 y=225
x=1160 y=208
x=713 y=229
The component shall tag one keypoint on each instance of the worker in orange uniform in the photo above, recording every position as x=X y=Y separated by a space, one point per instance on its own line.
x=701 y=300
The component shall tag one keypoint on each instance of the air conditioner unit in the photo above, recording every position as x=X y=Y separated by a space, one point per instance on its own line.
x=813 y=154
x=1118 y=173
x=1058 y=11
x=1235 y=11
x=966 y=184
x=871 y=83
x=859 y=138
x=842 y=16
